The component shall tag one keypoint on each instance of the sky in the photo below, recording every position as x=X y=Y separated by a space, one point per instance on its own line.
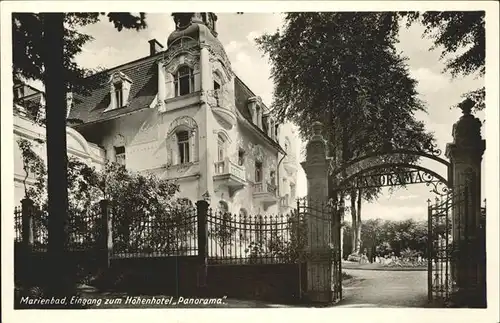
x=237 y=33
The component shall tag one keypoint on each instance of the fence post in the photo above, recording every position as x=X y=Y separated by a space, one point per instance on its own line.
x=465 y=154
x=107 y=241
x=319 y=268
x=27 y=223
x=202 y=212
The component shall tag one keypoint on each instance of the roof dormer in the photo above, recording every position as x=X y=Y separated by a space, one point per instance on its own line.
x=119 y=90
x=256 y=109
x=29 y=102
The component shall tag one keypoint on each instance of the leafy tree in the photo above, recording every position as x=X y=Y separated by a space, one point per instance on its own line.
x=344 y=69
x=460 y=35
x=398 y=236
x=147 y=215
x=347 y=241
x=32 y=165
x=370 y=233
x=281 y=242
x=44 y=47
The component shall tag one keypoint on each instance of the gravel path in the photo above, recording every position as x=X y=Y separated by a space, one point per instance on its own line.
x=376 y=288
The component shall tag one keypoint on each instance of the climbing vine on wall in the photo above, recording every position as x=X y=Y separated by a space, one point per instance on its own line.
x=32 y=165
x=134 y=200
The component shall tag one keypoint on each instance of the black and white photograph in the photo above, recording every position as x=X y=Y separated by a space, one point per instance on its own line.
x=290 y=157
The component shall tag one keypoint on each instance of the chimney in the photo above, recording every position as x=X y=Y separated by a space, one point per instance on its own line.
x=154 y=47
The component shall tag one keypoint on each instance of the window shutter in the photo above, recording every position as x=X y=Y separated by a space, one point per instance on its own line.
x=176 y=158
x=169 y=86
x=171 y=150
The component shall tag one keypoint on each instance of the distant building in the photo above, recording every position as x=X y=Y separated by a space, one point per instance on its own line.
x=181 y=113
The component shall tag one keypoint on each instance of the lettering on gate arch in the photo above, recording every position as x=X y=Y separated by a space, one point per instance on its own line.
x=391 y=168
x=396 y=174
x=392 y=179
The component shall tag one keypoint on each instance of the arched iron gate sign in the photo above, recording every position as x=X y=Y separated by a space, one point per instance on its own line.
x=441 y=228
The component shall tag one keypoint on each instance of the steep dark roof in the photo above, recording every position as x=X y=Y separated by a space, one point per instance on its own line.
x=242 y=93
x=144 y=75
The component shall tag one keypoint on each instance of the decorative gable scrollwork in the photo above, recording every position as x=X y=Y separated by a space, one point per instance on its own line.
x=219 y=60
x=172 y=57
x=175 y=60
x=184 y=121
x=188 y=59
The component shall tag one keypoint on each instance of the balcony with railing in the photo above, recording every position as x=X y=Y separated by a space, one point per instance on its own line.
x=220 y=102
x=230 y=174
x=266 y=193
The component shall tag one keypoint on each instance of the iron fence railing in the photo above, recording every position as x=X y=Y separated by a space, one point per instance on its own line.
x=169 y=234
x=84 y=229
x=229 y=238
x=244 y=239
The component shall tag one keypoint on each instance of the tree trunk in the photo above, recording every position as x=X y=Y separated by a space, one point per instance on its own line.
x=354 y=222
x=358 y=224
x=57 y=187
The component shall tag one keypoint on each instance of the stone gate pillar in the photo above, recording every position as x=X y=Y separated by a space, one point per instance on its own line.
x=465 y=154
x=319 y=264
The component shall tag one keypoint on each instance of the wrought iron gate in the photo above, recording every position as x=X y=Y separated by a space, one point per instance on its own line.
x=322 y=252
x=444 y=231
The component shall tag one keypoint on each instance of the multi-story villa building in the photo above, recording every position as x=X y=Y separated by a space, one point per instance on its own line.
x=182 y=113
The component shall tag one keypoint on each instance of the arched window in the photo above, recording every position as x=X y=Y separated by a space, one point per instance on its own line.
x=258 y=172
x=272 y=176
x=184 y=81
x=183 y=146
x=182 y=141
x=241 y=157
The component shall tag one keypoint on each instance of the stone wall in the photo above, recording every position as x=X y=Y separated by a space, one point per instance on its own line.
x=279 y=283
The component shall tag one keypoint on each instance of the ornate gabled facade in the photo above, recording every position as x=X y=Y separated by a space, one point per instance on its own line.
x=182 y=113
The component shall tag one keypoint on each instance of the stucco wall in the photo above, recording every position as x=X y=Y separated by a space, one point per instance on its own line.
x=145 y=133
x=243 y=138
x=76 y=143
